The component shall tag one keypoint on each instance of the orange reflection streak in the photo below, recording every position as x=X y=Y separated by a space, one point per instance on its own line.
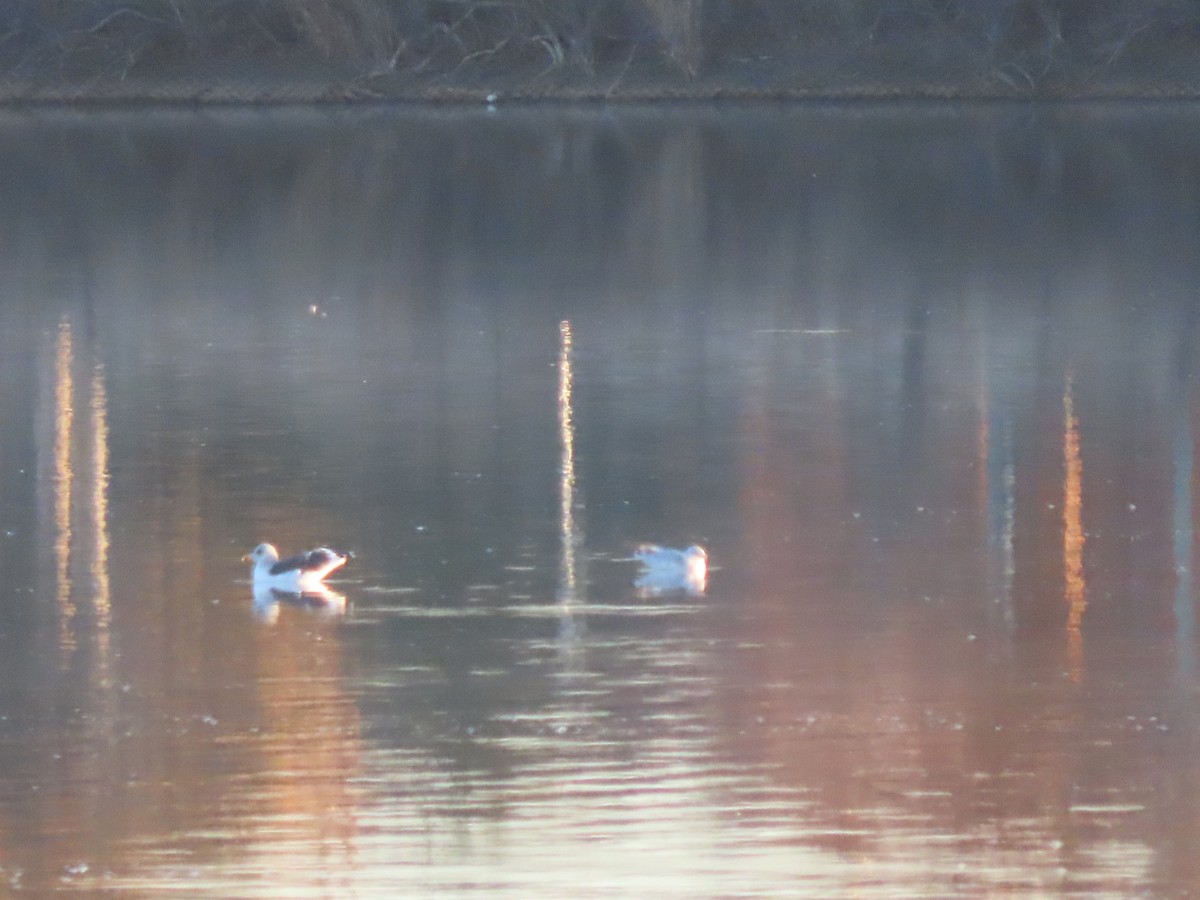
x=64 y=418
x=1073 y=536
x=312 y=746
x=98 y=408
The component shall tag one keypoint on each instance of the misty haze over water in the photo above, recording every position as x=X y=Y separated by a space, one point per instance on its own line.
x=921 y=379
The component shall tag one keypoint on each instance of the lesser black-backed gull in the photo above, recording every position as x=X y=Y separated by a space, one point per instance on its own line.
x=295 y=574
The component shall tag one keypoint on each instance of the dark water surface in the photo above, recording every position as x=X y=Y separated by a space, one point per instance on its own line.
x=922 y=380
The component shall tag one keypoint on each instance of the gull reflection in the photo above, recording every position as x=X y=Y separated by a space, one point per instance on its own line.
x=665 y=569
x=322 y=602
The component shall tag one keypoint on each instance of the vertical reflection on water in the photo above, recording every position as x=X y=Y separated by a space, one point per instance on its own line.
x=64 y=420
x=568 y=587
x=98 y=413
x=1000 y=492
x=73 y=452
x=566 y=432
x=1183 y=460
x=308 y=751
x=1073 y=536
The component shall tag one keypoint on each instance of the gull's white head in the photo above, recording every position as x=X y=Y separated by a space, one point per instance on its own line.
x=263 y=553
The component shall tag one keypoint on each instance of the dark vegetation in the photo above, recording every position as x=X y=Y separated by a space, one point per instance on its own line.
x=348 y=49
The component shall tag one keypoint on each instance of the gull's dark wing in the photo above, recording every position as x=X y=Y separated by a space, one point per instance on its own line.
x=304 y=562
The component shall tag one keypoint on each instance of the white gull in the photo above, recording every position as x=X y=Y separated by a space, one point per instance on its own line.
x=667 y=569
x=295 y=574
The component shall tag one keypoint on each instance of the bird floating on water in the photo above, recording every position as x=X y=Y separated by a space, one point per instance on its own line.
x=667 y=569
x=295 y=574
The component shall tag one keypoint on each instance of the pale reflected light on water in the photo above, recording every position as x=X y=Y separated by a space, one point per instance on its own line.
x=1073 y=535
x=571 y=540
x=911 y=376
x=61 y=481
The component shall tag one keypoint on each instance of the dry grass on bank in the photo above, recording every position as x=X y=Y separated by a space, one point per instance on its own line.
x=346 y=49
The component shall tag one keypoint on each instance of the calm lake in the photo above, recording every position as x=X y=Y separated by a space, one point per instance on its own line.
x=922 y=380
